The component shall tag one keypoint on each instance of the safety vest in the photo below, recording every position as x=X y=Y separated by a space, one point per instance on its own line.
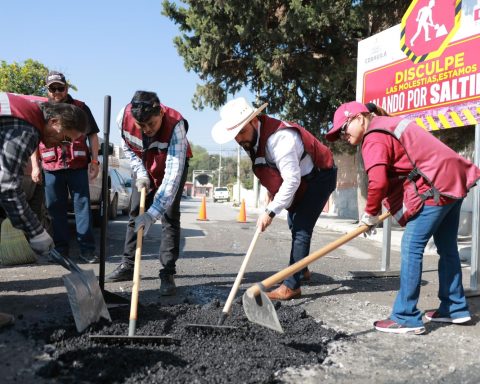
x=268 y=174
x=155 y=155
x=73 y=156
x=23 y=109
x=434 y=163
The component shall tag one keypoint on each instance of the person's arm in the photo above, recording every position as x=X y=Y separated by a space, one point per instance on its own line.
x=174 y=167
x=377 y=189
x=36 y=168
x=23 y=141
x=94 y=165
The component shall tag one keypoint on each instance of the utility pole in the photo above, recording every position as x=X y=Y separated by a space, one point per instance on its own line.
x=220 y=168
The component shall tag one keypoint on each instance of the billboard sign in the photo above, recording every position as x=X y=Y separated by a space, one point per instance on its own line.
x=432 y=74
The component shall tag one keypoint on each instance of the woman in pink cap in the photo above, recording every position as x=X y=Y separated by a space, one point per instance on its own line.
x=422 y=182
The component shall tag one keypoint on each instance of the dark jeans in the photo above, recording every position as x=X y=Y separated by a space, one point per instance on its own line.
x=303 y=218
x=57 y=186
x=170 y=236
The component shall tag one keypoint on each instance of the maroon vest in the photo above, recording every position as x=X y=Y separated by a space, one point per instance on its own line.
x=268 y=175
x=20 y=107
x=447 y=173
x=155 y=155
x=73 y=156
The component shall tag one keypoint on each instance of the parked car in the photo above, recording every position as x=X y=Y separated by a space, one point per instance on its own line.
x=221 y=193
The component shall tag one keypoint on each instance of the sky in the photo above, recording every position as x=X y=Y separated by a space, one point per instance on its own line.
x=109 y=47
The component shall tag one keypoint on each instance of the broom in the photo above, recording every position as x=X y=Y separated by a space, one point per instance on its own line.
x=14 y=247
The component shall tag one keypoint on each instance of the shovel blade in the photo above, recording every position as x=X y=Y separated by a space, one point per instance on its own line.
x=86 y=299
x=259 y=309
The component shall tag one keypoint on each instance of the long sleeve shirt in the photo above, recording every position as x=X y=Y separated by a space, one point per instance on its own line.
x=284 y=150
x=174 y=167
x=18 y=140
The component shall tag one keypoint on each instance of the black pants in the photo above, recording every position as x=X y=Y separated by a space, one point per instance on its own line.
x=170 y=236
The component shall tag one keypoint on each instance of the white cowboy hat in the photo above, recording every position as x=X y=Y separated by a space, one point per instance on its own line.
x=234 y=116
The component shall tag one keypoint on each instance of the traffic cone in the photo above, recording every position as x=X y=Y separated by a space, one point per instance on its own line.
x=202 y=214
x=242 y=215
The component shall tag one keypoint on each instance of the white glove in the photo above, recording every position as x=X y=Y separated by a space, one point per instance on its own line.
x=372 y=222
x=145 y=220
x=42 y=244
x=141 y=182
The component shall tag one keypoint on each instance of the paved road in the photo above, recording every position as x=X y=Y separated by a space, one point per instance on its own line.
x=212 y=252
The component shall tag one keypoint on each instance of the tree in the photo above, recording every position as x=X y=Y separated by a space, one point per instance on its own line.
x=299 y=56
x=27 y=78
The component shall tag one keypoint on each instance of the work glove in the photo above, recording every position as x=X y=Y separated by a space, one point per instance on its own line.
x=42 y=244
x=143 y=181
x=372 y=222
x=145 y=220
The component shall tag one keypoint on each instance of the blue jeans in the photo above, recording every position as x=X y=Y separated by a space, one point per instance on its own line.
x=441 y=222
x=57 y=186
x=303 y=218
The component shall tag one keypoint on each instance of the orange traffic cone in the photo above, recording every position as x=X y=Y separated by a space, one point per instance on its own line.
x=202 y=214
x=242 y=215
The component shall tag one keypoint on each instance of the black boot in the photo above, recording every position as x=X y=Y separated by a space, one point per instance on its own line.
x=124 y=272
x=167 y=285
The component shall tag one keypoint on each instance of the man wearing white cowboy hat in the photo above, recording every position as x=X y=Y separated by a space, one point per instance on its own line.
x=296 y=169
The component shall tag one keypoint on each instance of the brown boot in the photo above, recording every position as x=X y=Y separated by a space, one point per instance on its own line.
x=6 y=319
x=284 y=293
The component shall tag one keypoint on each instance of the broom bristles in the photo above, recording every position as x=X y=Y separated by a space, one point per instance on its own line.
x=14 y=247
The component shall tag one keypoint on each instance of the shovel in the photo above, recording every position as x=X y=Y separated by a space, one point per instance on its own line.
x=132 y=325
x=233 y=291
x=86 y=299
x=256 y=304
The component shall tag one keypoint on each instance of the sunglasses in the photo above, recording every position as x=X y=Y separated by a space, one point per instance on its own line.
x=56 y=89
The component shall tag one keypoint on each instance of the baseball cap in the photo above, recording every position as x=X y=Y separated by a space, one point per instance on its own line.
x=55 y=77
x=341 y=116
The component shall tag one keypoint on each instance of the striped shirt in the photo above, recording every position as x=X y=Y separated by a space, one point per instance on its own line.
x=18 y=140
x=174 y=166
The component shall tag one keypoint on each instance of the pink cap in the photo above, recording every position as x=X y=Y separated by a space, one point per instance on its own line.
x=342 y=114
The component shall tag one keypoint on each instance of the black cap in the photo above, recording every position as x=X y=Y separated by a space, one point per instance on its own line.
x=55 y=77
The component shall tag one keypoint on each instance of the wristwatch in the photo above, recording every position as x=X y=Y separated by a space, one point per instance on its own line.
x=270 y=213
x=95 y=162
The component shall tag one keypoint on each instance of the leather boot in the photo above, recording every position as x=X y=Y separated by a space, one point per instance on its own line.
x=284 y=293
x=123 y=272
x=167 y=285
x=307 y=276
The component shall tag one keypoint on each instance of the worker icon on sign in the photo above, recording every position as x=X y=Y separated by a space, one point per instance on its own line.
x=424 y=21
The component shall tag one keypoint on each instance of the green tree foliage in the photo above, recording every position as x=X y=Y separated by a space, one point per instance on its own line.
x=299 y=56
x=27 y=78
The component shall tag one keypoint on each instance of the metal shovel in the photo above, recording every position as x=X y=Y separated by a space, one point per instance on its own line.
x=256 y=304
x=86 y=299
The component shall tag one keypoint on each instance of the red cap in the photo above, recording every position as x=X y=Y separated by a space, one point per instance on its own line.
x=342 y=114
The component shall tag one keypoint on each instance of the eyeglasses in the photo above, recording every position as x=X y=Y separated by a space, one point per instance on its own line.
x=343 y=130
x=66 y=140
x=56 y=89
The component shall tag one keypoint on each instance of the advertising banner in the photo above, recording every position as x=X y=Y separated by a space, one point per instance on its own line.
x=428 y=67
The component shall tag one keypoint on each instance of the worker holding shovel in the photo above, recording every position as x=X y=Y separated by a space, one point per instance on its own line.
x=23 y=124
x=155 y=141
x=295 y=168
x=422 y=182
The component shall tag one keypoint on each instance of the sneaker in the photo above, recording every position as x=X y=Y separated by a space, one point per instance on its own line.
x=167 y=285
x=437 y=318
x=124 y=272
x=391 y=326
x=89 y=257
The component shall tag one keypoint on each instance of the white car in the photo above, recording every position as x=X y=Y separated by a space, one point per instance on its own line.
x=221 y=193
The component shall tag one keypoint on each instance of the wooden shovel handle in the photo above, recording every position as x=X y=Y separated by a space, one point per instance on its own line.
x=299 y=265
x=138 y=258
x=241 y=272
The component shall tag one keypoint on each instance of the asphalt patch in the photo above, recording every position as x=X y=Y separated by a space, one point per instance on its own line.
x=248 y=353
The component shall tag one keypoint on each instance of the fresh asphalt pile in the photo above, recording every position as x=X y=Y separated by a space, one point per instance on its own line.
x=246 y=354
